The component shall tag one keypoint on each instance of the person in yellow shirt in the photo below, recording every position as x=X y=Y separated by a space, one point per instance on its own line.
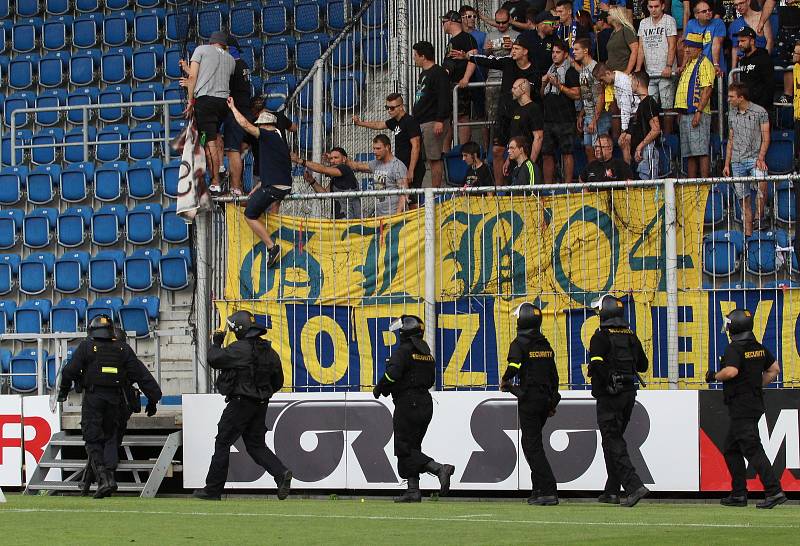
x=693 y=101
x=796 y=95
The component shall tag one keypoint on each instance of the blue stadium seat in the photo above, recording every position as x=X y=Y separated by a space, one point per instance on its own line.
x=343 y=55
x=28 y=8
x=785 y=206
x=780 y=155
x=82 y=96
x=308 y=49
x=117 y=4
x=37 y=227
x=5 y=354
x=89 y=6
x=346 y=90
x=53 y=7
x=256 y=85
x=176 y=127
x=147 y=62
x=53 y=69
x=10 y=226
x=143 y=179
x=49 y=137
x=75 y=179
x=306 y=16
x=762 y=251
x=17 y=101
x=73 y=151
x=26 y=34
x=7 y=310
x=117 y=28
x=211 y=18
x=455 y=167
x=376 y=15
x=337 y=15
x=22 y=71
x=147 y=25
x=276 y=54
x=722 y=252
x=275 y=95
x=244 y=19
x=86 y=30
x=173 y=228
x=9 y=270
x=111 y=134
x=142 y=223
x=782 y=284
x=104 y=306
x=174 y=92
x=115 y=65
x=107 y=224
x=55 y=31
x=72 y=226
x=104 y=270
x=275 y=19
x=146 y=92
x=137 y=314
x=68 y=315
x=145 y=150
x=172 y=68
x=69 y=271
x=42 y=183
x=6 y=31
x=13 y=181
x=178 y=24
x=169 y=178
x=250 y=51
x=113 y=94
x=109 y=179
x=140 y=269
x=148 y=3
x=34 y=272
x=22 y=136
x=174 y=267
x=83 y=67
x=50 y=98
x=22 y=367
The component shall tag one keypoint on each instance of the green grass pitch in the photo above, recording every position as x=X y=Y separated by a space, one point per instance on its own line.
x=119 y=520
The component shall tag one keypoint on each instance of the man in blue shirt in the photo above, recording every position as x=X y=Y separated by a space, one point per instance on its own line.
x=710 y=32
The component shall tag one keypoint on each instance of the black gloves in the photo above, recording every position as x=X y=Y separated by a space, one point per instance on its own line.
x=151 y=408
x=505 y=385
x=711 y=376
x=217 y=338
x=376 y=392
x=63 y=394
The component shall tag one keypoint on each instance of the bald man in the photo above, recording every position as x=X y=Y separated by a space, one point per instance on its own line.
x=526 y=117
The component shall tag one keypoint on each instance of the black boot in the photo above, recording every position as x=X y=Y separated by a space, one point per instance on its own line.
x=443 y=472
x=284 y=484
x=772 y=500
x=86 y=481
x=202 y=494
x=104 y=487
x=112 y=480
x=412 y=494
x=734 y=501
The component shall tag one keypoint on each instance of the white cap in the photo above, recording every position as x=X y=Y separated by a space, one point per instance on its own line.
x=265 y=118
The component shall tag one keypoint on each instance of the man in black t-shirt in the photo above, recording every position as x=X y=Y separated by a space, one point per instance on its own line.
x=407 y=136
x=342 y=179
x=788 y=31
x=460 y=70
x=478 y=173
x=432 y=107
x=605 y=168
x=560 y=89
x=526 y=118
x=282 y=124
x=644 y=129
x=232 y=131
x=541 y=40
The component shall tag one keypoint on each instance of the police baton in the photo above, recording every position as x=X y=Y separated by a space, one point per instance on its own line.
x=641 y=381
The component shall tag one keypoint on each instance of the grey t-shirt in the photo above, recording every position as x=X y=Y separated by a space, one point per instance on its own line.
x=654 y=38
x=385 y=176
x=590 y=89
x=746 y=129
x=214 y=74
x=495 y=38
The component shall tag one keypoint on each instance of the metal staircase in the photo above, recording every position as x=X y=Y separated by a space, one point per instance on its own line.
x=154 y=470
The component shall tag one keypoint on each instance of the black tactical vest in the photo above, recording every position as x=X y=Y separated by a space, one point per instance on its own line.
x=535 y=374
x=747 y=383
x=106 y=365
x=420 y=369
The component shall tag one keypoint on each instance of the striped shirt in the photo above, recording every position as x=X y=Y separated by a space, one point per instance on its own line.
x=691 y=83
x=745 y=128
x=214 y=73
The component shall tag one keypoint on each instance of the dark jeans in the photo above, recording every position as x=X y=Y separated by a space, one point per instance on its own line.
x=100 y=418
x=613 y=415
x=412 y=415
x=533 y=414
x=246 y=418
x=743 y=442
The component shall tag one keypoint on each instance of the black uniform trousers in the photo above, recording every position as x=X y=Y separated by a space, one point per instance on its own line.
x=100 y=420
x=613 y=415
x=533 y=413
x=743 y=442
x=413 y=412
x=245 y=417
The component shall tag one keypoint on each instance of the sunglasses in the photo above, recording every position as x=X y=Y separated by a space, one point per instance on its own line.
x=468 y=17
x=501 y=22
x=390 y=108
x=707 y=10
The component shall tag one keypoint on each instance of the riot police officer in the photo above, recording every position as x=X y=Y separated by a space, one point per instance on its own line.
x=251 y=373
x=104 y=368
x=747 y=367
x=615 y=358
x=410 y=372
x=532 y=358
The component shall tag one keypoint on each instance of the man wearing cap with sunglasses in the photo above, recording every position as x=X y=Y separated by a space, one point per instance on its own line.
x=459 y=70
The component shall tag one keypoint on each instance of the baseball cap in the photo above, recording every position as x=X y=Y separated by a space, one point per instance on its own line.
x=692 y=43
x=218 y=37
x=546 y=17
x=451 y=16
x=265 y=118
x=746 y=32
x=522 y=42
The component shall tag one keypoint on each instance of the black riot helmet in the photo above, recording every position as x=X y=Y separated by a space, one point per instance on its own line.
x=609 y=307
x=529 y=317
x=739 y=321
x=409 y=326
x=101 y=327
x=243 y=324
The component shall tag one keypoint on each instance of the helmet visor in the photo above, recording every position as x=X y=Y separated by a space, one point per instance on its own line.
x=396 y=325
x=518 y=310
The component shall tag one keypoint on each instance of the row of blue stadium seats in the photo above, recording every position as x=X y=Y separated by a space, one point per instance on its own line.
x=721 y=200
x=762 y=253
x=780 y=284
x=32 y=8
x=32 y=315
x=106 y=226
x=101 y=272
x=21 y=368
x=111 y=181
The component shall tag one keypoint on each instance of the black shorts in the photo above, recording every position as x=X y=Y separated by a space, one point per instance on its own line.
x=261 y=199
x=210 y=112
x=500 y=136
x=559 y=137
x=233 y=134
x=464 y=102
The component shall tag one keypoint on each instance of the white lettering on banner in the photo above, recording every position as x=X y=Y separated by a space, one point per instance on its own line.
x=344 y=441
x=39 y=426
x=785 y=432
